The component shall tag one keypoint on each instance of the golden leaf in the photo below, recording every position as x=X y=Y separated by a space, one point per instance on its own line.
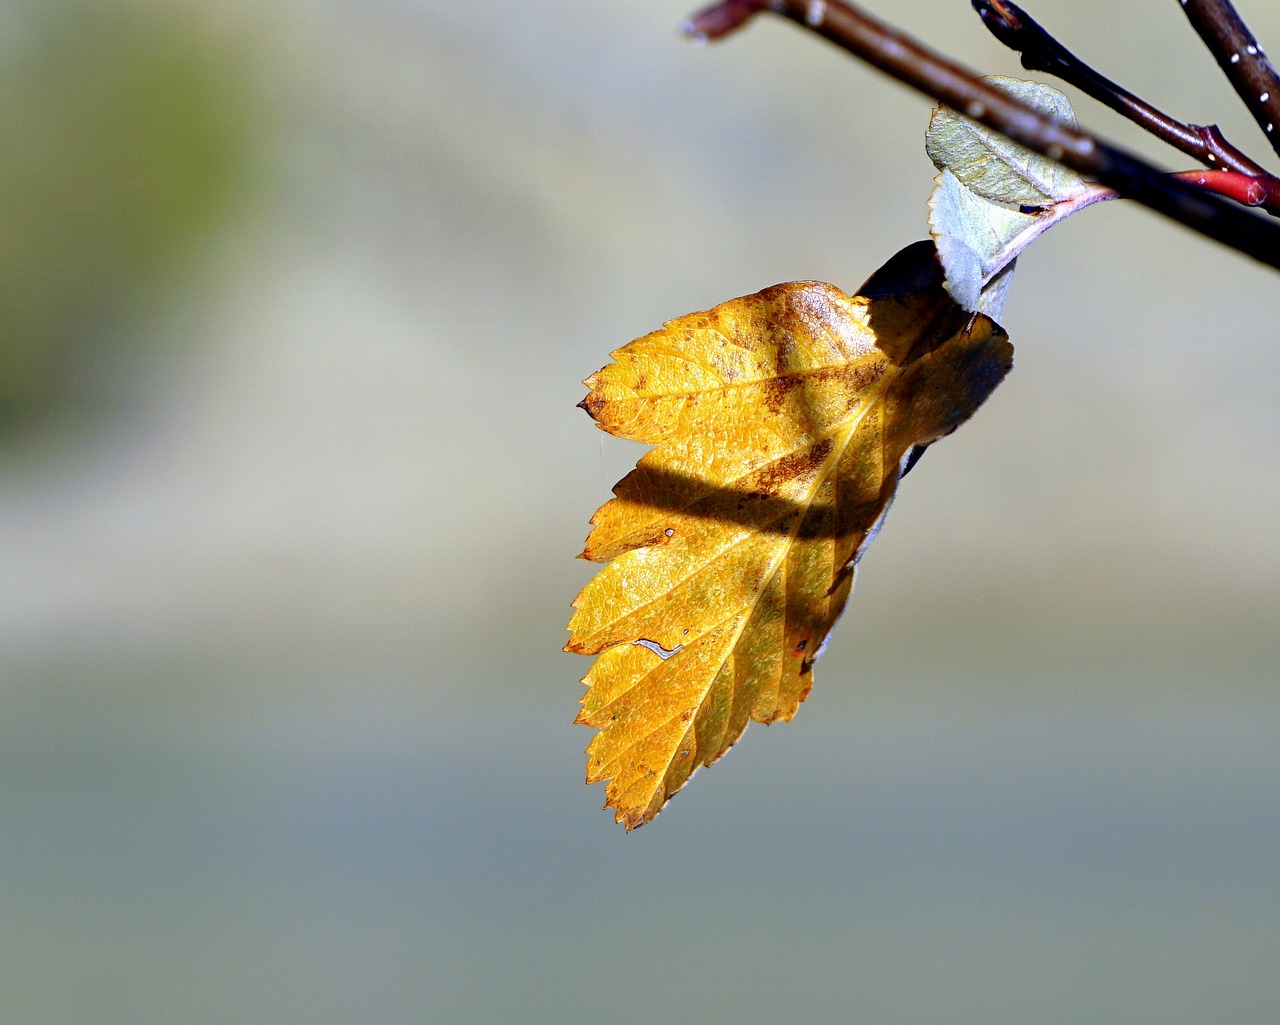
x=781 y=422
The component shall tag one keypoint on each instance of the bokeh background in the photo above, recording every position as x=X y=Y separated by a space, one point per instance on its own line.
x=295 y=300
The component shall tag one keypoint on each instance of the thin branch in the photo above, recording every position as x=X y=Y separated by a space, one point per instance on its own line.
x=1241 y=59
x=1245 y=189
x=1042 y=52
x=957 y=87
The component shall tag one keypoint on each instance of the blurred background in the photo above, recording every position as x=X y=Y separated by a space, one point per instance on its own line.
x=295 y=300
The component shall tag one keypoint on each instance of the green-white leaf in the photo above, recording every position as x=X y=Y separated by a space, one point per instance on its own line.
x=996 y=168
x=975 y=239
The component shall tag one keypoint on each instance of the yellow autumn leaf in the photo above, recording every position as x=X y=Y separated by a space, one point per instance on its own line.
x=781 y=422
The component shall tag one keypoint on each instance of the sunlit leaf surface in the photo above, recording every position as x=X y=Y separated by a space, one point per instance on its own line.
x=781 y=422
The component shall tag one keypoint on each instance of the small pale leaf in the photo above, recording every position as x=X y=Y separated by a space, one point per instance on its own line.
x=974 y=238
x=996 y=168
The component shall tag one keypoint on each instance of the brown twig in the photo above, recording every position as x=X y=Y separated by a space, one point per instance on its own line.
x=957 y=87
x=1042 y=52
x=1241 y=59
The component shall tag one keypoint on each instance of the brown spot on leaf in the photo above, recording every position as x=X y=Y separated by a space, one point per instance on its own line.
x=776 y=390
x=795 y=465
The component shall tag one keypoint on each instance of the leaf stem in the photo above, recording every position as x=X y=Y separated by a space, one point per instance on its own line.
x=1046 y=218
x=1241 y=58
x=1042 y=52
x=959 y=88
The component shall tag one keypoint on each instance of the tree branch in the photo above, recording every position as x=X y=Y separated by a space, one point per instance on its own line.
x=946 y=82
x=1241 y=59
x=1245 y=189
x=1042 y=52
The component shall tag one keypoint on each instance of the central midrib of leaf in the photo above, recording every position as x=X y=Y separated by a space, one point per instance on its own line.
x=842 y=438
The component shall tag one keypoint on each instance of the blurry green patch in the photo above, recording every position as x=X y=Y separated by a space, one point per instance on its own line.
x=124 y=134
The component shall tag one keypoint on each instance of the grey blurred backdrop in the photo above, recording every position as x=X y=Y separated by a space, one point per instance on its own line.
x=296 y=298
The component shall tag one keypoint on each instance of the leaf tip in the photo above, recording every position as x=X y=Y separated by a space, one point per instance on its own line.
x=592 y=405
